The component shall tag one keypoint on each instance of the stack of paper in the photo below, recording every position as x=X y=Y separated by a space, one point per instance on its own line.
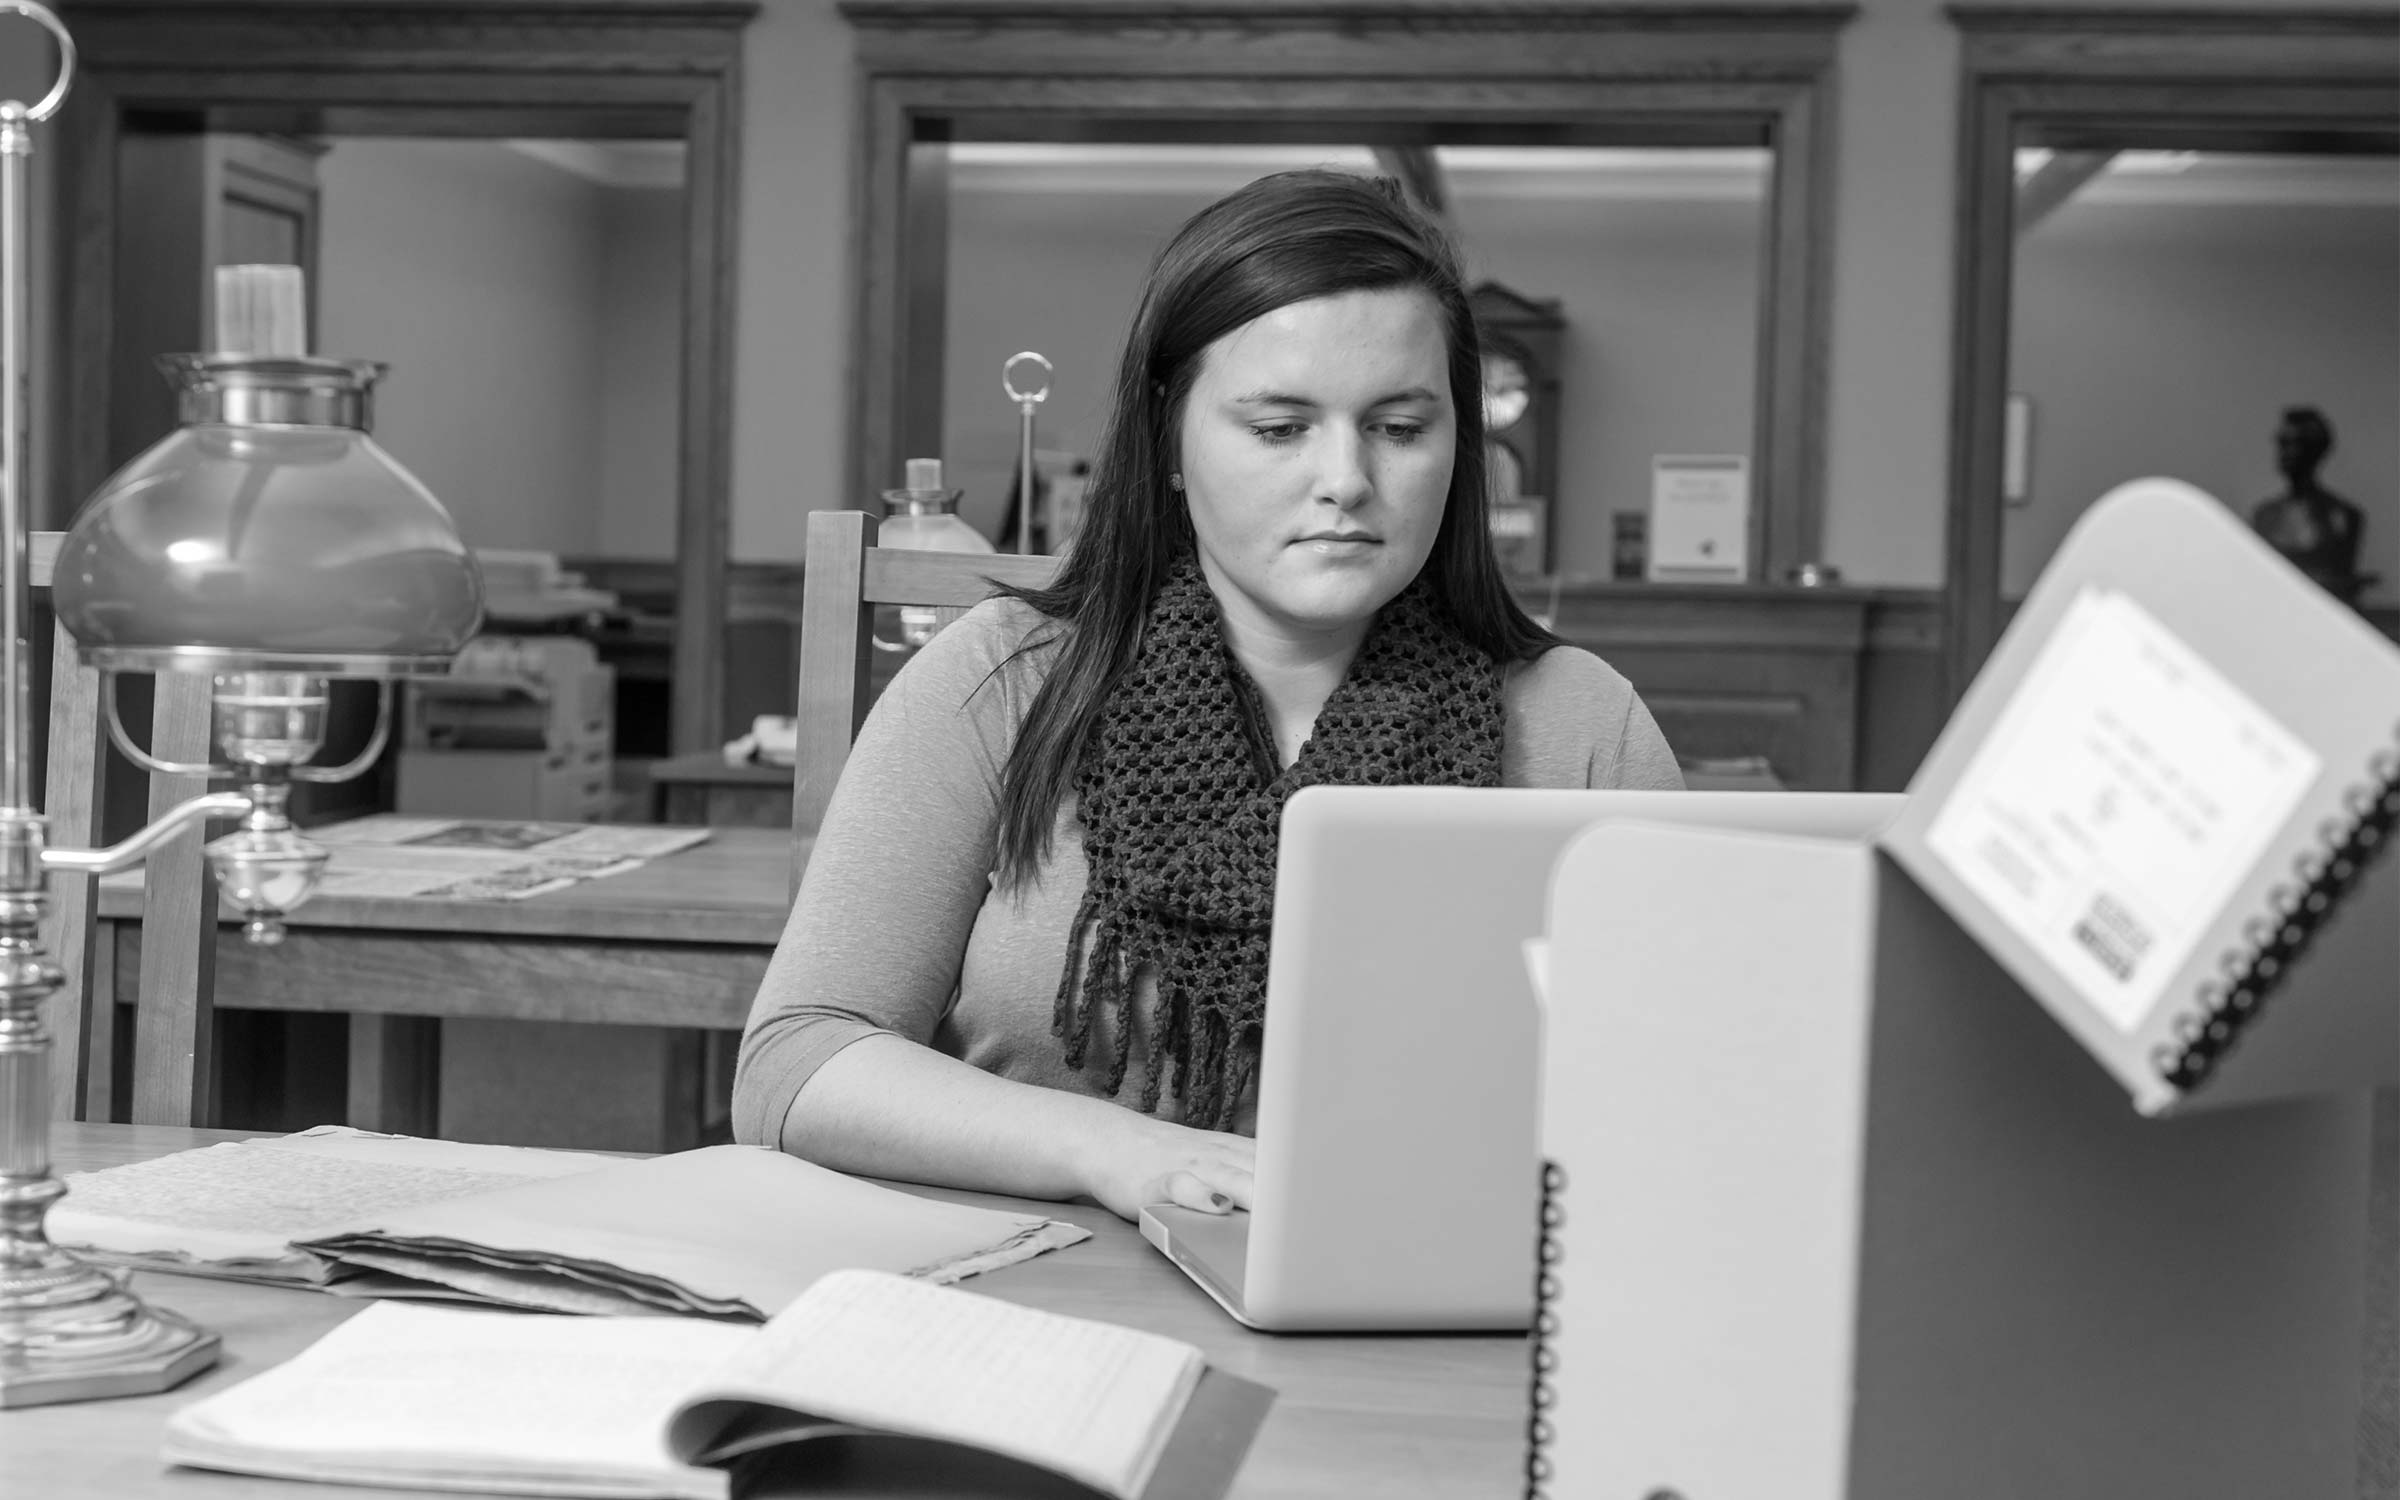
x=727 y=1231
x=234 y=1209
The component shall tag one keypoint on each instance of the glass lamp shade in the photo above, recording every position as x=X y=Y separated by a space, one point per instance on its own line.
x=268 y=533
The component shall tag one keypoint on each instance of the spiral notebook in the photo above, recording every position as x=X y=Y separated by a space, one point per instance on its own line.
x=2160 y=808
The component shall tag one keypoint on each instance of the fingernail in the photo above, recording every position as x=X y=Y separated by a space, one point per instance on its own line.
x=1219 y=1202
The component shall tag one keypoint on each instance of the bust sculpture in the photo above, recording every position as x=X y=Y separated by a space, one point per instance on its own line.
x=2317 y=529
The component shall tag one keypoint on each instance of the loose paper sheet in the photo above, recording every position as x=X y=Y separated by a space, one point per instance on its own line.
x=241 y=1203
x=479 y=859
x=2122 y=794
x=472 y=859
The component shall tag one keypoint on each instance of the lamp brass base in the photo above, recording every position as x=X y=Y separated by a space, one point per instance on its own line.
x=74 y=1332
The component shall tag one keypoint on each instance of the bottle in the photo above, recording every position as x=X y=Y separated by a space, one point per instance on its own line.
x=923 y=516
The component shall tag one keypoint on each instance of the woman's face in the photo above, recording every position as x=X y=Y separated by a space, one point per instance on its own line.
x=1316 y=450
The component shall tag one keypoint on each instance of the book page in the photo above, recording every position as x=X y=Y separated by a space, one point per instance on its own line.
x=423 y=1396
x=1090 y=1400
x=245 y=1201
x=2125 y=791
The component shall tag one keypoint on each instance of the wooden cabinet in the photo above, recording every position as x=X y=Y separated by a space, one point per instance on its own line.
x=1836 y=689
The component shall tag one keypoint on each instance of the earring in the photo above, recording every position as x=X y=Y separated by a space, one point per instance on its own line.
x=1175 y=481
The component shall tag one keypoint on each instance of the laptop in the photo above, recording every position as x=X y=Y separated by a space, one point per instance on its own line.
x=1398 y=1123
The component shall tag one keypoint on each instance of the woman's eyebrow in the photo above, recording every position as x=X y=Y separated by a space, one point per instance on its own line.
x=1285 y=398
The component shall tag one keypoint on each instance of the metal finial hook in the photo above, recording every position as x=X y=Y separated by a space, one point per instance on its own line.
x=42 y=16
x=1008 y=374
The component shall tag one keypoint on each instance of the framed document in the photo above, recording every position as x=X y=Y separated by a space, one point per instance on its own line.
x=1699 y=518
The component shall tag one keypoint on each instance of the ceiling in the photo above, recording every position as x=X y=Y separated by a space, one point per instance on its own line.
x=1622 y=173
x=2232 y=178
x=1694 y=174
x=619 y=164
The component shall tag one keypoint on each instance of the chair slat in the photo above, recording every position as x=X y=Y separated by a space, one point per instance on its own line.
x=81 y=1012
x=836 y=626
x=844 y=578
x=174 y=1069
x=894 y=576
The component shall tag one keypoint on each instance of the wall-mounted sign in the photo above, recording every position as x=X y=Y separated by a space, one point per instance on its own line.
x=1699 y=519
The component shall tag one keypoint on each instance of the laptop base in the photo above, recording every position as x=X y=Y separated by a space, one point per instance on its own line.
x=1212 y=1249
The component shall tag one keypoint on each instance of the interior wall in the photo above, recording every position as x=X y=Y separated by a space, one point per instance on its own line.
x=1661 y=351
x=1058 y=273
x=792 y=350
x=1660 y=300
x=1887 y=372
x=474 y=272
x=2168 y=339
x=640 y=311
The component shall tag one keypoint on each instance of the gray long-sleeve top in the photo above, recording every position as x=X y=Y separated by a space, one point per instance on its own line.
x=901 y=927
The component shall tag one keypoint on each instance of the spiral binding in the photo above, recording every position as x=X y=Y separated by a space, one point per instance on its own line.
x=1545 y=1328
x=2277 y=940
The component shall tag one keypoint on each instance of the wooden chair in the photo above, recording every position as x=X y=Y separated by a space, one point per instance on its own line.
x=173 y=1064
x=844 y=578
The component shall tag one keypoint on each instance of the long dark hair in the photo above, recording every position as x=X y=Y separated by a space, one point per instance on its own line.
x=1283 y=239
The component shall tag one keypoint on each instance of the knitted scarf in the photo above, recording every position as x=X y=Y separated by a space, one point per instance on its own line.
x=1181 y=796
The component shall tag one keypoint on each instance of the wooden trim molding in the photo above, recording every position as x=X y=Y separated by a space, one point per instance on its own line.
x=461 y=68
x=1088 y=68
x=2125 y=71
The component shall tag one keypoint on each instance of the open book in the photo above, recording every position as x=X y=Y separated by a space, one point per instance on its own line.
x=725 y=1231
x=867 y=1377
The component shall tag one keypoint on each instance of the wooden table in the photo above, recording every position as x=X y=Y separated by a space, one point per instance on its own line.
x=703 y=787
x=1394 y=1417
x=681 y=941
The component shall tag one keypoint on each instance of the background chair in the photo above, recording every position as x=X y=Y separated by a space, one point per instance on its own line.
x=845 y=577
x=173 y=1057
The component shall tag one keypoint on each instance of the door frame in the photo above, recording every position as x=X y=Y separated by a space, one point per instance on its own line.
x=1145 y=68
x=449 y=68
x=2137 y=69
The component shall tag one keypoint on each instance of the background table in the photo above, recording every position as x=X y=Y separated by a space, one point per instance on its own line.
x=703 y=787
x=1398 y=1417
x=680 y=942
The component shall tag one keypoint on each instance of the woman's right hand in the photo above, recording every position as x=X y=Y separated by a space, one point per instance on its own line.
x=1153 y=1161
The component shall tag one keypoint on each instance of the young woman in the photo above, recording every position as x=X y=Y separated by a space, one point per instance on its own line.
x=1029 y=952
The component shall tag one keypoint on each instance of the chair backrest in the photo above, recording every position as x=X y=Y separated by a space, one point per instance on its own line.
x=844 y=578
x=173 y=1061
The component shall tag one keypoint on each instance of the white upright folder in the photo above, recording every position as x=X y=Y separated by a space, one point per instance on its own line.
x=1863 y=1188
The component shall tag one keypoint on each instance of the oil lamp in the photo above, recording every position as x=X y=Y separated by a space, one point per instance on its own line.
x=270 y=543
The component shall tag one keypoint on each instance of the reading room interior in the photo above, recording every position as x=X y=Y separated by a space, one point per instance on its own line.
x=1192 y=748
